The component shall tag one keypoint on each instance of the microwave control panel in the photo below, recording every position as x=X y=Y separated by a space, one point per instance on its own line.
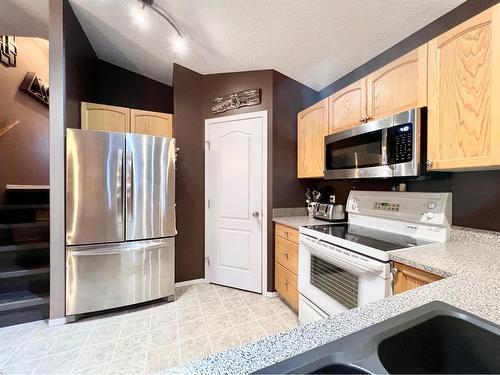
x=400 y=143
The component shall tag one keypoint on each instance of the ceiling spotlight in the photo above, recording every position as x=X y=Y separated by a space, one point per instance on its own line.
x=179 y=44
x=150 y=4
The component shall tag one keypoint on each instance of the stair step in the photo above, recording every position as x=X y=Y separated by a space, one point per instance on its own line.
x=8 y=207
x=34 y=224
x=21 y=300
x=17 y=271
x=24 y=246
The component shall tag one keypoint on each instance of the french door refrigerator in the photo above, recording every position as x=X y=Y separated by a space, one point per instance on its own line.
x=120 y=219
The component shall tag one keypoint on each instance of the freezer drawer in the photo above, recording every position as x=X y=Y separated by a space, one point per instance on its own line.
x=100 y=277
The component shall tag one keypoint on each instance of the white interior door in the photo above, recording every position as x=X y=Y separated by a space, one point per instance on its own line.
x=234 y=193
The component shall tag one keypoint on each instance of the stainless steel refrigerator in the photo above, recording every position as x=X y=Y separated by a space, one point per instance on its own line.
x=120 y=219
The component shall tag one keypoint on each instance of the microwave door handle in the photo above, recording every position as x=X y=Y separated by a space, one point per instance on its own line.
x=384 y=151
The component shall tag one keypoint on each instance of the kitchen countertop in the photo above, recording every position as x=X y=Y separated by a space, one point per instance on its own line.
x=470 y=261
x=299 y=221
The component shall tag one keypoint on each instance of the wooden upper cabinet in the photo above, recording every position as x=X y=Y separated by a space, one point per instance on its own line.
x=105 y=117
x=398 y=86
x=151 y=123
x=464 y=95
x=312 y=127
x=347 y=107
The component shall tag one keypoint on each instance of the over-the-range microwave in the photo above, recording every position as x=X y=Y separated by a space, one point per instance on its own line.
x=393 y=146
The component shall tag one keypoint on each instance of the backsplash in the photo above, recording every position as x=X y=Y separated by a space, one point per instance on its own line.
x=292 y=211
x=476 y=195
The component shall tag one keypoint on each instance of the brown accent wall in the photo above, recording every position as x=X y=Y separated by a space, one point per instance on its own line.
x=24 y=150
x=188 y=131
x=289 y=98
x=80 y=64
x=121 y=87
x=282 y=98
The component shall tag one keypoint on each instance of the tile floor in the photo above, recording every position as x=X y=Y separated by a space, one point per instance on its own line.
x=204 y=319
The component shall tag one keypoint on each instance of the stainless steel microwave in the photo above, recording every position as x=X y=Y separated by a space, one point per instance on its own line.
x=393 y=146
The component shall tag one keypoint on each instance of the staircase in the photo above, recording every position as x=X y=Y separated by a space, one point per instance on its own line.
x=24 y=255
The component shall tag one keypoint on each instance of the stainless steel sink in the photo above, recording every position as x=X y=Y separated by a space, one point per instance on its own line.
x=434 y=338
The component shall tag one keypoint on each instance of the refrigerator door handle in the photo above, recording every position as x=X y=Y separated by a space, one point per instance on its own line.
x=130 y=188
x=119 y=188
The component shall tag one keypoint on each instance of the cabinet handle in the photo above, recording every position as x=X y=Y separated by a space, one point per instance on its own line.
x=285 y=283
x=286 y=234
x=362 y=119
x=368 y=118
x=285 y=254
x=429 y=163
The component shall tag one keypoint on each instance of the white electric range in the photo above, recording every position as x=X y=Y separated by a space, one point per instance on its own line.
x=345 y=265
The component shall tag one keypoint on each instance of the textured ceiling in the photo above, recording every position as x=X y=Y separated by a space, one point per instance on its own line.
x=312 y=41
x=24 y=18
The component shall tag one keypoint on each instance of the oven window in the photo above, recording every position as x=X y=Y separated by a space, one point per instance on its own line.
x=335 y=282
x=364 y=150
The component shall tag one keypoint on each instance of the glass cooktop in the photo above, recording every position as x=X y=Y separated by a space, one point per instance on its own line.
x=374 y=238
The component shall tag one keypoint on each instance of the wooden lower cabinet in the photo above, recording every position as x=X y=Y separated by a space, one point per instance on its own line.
x=407 y=278
x=286 y=232
x=286 y=283
x=286 y=265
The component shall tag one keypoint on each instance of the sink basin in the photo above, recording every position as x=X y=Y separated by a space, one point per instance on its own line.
x=339 y=368
x=434 y=338
x=441 y=344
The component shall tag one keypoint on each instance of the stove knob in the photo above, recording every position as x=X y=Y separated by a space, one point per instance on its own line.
x=429 y=215
x=431 y=205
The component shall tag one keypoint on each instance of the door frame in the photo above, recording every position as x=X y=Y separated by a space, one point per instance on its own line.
x=264 y=189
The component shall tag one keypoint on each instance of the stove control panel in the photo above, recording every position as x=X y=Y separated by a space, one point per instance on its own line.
x=423 y=208
x=386 y=206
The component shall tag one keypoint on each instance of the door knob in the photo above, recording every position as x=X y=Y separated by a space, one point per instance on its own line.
x=255 y=214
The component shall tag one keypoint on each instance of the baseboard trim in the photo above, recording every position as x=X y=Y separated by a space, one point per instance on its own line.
x=190 y=282
x=60 y=321
x=270 y=294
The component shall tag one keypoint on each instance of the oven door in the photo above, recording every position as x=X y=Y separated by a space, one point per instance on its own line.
x=336 y=279
x=388 y=147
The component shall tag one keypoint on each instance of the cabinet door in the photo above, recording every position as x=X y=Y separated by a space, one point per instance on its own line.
x=399 y=85
x=105 y=117
x=312 y=127
x=407 y=278
x=151 y=123
x=347 y=107
x=286 y=284
x=464 y=95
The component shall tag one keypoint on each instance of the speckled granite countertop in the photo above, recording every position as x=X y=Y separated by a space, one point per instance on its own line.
x=299 y=221
x=470 y=262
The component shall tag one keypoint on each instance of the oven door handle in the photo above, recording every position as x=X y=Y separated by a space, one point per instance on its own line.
x=343 y=260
